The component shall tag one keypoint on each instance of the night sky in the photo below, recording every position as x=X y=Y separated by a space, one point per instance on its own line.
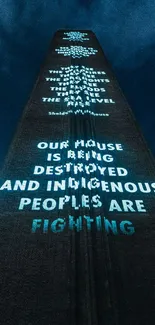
x=125 y=30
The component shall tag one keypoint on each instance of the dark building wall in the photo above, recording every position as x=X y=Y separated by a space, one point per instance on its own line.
x=78 y=249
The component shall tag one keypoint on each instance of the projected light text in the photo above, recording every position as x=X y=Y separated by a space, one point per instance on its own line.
x=78 y=87
x=76 y=51
x=88 y=168
x=76 y=36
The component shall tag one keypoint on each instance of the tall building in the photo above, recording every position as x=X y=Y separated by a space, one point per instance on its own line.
x=77 y=229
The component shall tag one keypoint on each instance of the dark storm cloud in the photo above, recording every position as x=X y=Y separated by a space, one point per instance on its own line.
x=125 y=29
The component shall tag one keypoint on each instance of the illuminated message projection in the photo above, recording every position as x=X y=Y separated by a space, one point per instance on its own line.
x=79 y=88
x=76 y=36
x=77 y=199
x=87 y=169
x=76 y=51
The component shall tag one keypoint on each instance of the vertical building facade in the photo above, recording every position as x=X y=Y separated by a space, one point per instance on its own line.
x=77 y=232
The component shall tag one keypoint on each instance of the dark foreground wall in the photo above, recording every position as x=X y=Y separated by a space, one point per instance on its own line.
x=77 y=230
